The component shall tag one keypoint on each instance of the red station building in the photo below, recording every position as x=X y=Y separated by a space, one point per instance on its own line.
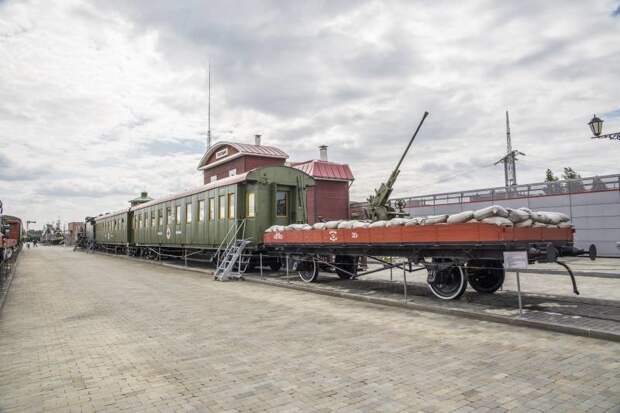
x=327 y=200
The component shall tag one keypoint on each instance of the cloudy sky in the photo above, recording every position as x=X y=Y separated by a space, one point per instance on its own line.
x=102 y=99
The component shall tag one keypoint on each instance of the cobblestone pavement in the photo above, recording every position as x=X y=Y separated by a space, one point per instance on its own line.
x=93 y=333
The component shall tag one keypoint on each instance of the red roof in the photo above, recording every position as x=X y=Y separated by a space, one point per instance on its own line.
x=242 y=150
x=325 y=170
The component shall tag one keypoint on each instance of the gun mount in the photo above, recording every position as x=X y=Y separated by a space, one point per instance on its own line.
x=379 y=207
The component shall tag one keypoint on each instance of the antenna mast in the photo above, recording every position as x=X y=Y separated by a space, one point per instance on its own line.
x=509 y=160
x=209 y=112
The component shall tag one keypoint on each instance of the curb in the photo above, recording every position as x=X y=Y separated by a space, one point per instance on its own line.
x=553 y=327
x=518 y=322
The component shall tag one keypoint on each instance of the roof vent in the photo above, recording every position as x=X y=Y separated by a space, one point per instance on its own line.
x=257 y=140
x=323 y=152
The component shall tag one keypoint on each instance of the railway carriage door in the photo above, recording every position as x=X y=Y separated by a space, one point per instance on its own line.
x=282 y=205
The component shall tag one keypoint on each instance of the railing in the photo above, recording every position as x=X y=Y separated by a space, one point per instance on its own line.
x=564 y=187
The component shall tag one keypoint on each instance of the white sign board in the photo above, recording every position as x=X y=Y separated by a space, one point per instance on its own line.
x=516 y=260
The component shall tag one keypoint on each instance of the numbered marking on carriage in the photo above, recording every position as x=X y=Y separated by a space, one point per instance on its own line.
x=333 y=236
x=278 y=235
x=354 y=235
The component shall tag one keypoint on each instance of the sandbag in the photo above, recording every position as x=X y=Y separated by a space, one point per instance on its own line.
x=526 y=209
x=472 y=221
x=396 y=222
x=498 y=221
x=491 y=211
x=377 y=224
x=319 y=225
x=524 y=224
x=539 y=225
x=299 y=227
x=460 y=218
x=434 y=219
x=540 y=218
x=565 y=225
x=412 y=222
x=555 y=217
x=332 y=224
x=346 y=224
x=517 y=215
x=358 y=225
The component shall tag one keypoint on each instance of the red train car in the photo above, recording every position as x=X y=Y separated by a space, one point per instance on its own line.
x=453 y=254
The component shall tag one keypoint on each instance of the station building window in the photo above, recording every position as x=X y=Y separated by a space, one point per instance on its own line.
x=232 y=172
x=231 y=206
x=201 y=210
x=250 y=205
x=188 y=213
x=281 y=203
x=213 y=178
x=178 y=214
x=222 y=204
x=211 y=208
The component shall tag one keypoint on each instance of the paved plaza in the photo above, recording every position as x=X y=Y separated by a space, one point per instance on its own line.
x=83 y=332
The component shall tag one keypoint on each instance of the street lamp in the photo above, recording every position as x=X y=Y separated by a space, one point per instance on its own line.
x=596 y=126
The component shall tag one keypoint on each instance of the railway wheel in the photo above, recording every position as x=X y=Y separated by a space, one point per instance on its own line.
x=308 y=271
x=447 y=283
x=348 y=263
x=485 y=276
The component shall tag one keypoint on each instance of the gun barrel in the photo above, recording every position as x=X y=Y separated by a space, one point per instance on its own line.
x=411 y=141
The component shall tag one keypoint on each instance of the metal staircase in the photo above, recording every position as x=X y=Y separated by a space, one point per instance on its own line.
x=233 y=262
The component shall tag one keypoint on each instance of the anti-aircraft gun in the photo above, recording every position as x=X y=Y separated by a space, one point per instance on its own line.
x=379 y=207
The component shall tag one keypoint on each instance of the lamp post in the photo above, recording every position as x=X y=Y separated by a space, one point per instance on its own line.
x=596 y=126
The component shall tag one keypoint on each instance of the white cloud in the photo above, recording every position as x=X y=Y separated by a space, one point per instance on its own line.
x=102 y=99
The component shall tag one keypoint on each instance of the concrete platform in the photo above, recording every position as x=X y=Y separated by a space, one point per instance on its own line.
x=83 y=332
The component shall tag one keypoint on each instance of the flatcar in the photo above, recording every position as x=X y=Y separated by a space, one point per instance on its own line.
x=453 y=254
x=202 y=220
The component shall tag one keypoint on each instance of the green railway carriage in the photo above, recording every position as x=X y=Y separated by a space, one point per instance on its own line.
x=203 y=218
x=114 y=229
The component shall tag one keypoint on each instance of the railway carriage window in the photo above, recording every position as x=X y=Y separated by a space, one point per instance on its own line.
x=222 y=203
x=201 y=210
x=161 y=218
x=211 y=208
x=281 y=204
x=250 y=207
x=152 y=219
x=178 y=214
x=169 y=218
x=188 y=213
x=231 y=206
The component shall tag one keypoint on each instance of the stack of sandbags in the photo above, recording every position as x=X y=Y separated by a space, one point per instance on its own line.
x=494 y=214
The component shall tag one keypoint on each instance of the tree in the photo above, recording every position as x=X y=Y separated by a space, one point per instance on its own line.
x=549 y=176
x=569 y=173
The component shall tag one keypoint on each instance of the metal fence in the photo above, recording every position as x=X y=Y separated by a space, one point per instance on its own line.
x=563 y=187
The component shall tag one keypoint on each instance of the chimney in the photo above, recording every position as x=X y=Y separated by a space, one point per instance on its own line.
x=323 y=152
x=257 y=140
x=144 y=194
